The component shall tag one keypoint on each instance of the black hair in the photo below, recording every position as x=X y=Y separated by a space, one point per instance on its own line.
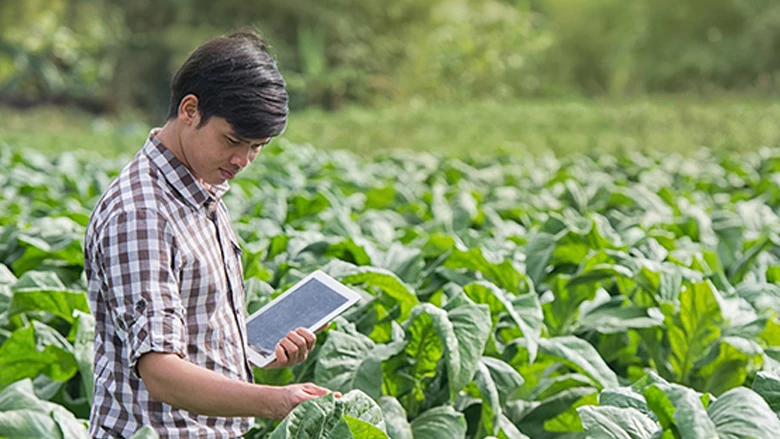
x=234 y=77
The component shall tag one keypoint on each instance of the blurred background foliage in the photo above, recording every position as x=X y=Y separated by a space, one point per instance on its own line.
x=107 y=55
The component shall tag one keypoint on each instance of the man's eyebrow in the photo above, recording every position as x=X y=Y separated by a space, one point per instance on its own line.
x=243 y=140
x=233 y=134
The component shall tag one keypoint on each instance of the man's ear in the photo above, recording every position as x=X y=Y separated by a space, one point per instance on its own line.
x=188 y=110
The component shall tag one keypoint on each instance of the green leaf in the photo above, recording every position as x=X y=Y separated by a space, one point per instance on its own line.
x=538 y=252
x=344 y=362
x=529 y=322
x=562 y=312
x=612 y=318
x=681 y=410
x=38 y=280
x=28 y=424
x=395 y=418
x=742 y=413
x=555 y=411
x=324 y=418
x=738 y=271
x=599 y=273
x=727 y=365
x=616 y=423
x=471 y=325
x=83 y=350
x=569 y=420
x=767 y=384
x=504 y=376
x=6 y=276
x=361 y=429
x=386 y=281
x=503 y=274
x=460 y=335
x=24 y=415
x=20 y=357
x=693 y=329
x=60 y=303
x=491 y=401
x=580 y=356
x=439 y=422
x=625 y=397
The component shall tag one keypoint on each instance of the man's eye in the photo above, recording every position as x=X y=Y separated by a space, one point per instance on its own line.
x=232 y=141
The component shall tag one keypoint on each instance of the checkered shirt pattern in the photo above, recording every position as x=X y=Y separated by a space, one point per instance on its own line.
x=164 y=274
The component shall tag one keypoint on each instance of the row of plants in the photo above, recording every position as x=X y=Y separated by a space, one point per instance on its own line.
x=507 y=297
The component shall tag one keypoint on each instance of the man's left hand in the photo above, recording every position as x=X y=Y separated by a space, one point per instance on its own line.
x=294 y=348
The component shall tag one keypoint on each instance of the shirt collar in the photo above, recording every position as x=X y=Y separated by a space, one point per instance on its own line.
x=179 y=176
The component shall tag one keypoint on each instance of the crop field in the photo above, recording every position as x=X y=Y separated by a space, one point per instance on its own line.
x=627 y=297
x=563 y=127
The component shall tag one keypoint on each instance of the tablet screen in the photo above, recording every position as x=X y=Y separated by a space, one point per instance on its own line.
x=310 y=303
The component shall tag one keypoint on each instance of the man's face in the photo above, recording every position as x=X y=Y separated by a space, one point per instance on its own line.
x=215 y=153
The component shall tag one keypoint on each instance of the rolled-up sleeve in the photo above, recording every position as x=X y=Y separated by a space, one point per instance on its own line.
x=138 y=257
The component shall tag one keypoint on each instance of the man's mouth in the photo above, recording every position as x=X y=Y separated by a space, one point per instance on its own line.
x=227 y=175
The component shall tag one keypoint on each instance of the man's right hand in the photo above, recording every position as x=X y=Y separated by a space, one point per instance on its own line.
x=184 y=385
x=294 y=394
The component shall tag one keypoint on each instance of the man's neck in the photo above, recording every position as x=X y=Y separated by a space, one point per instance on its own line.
x=170 y=137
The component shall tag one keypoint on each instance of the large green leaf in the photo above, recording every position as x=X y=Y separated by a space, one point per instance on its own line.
x=727 y=365
x=502 y=273
x=83 y=340
x=460 y=335
x=23 y=415
x=22 y=356
x=741 y=413
x=615 y=317
x=616 y=423
x=528 y=320
x=28 y=424
x=538 y=252
x=767 y=384
x=6 y=276
x=387 y=282
x=325 y=417
x=580 y=356
x=471 y=325
x=439 y=422
x=693 y=330
x=364 y=430
x=395 y=418
x=680 y=410
x=60 y=303
x=625 y=397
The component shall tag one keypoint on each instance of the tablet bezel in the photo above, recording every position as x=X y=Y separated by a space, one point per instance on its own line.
x=352 y=297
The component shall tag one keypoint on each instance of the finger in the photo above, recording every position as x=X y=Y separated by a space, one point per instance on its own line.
x=324 y=327
x=297 y=339
x=281 y=354
x=291 y=349
x=315 y=390
x=309 y=336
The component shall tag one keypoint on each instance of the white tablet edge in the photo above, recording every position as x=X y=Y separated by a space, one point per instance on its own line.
x=260 y=360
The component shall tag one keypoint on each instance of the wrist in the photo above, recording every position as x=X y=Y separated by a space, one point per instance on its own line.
x=268 y=402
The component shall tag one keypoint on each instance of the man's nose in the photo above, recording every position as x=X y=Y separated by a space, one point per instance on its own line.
x=241 y=158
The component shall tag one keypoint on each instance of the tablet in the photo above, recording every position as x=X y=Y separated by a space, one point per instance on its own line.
x=311 y=303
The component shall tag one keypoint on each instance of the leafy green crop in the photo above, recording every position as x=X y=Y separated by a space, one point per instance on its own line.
x=589 y=297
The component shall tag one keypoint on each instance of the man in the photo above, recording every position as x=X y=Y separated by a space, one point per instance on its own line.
x=164 y=267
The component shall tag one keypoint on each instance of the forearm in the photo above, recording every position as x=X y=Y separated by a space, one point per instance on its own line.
x=187 y=386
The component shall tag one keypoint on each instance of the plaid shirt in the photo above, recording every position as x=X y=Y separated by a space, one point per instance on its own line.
x=164 y=274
